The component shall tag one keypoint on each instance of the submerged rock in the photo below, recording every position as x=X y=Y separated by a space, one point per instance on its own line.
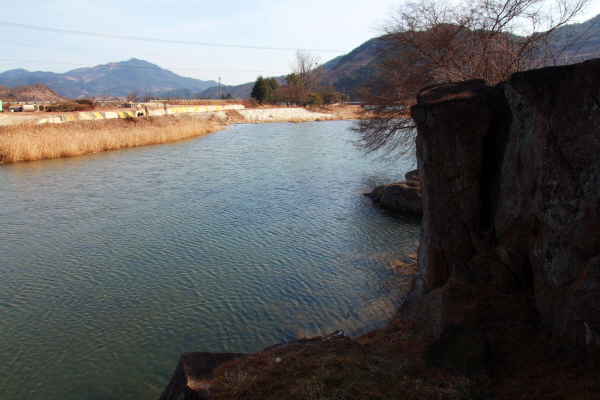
x=402 y=196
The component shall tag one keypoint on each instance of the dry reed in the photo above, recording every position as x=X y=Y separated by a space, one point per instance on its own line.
x=37 y=142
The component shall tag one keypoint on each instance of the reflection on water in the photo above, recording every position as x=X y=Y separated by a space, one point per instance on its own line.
x=113 y=264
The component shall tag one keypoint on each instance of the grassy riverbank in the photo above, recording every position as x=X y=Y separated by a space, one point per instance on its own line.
x=383 y=364
x=28 y=142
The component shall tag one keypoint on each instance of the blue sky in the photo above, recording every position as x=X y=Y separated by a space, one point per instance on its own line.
x=328 y=27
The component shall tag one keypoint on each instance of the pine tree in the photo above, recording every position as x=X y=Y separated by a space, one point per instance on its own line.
x=274 y=84
x=262 y=89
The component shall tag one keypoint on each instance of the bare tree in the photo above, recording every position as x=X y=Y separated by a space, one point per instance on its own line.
x=429 y=42
x=308 y=69
x=132 y=97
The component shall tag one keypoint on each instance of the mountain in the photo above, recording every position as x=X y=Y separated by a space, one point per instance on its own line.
x=585 y=39
x=238 y=91
x=112 y=79
x=347 y=73
x=35 y=92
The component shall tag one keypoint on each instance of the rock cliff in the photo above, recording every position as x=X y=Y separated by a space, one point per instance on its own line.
x=510 y=178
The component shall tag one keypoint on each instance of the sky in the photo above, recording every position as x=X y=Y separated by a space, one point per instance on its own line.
x=234 y=40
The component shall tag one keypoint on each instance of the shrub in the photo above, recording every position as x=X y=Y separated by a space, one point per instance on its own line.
x=315 y=99
x=65 y=106
x=89 y=103
x=72 y=105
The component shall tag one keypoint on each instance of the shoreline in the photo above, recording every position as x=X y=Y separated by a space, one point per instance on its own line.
x=32 y=142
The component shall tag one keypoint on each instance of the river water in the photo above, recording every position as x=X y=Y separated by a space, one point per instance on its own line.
x=114 y=264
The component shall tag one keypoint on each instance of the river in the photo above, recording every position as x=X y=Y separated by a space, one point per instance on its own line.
x=114 y=264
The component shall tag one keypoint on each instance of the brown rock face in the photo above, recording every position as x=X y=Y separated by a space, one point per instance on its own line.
x=510 y=177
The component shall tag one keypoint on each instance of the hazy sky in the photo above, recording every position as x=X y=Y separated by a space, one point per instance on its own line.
x=237 y=33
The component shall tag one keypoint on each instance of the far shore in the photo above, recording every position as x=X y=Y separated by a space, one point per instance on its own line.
x=22 y=140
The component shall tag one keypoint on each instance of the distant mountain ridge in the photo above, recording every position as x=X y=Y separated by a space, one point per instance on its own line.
x=345 y=73
x=113 y=79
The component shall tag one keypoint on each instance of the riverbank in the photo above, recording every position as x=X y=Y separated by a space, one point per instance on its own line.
x=20 y=143
x=391 y=362
x=28 y=142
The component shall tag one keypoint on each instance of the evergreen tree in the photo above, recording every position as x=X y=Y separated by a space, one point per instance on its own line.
x=262 y=89
x=274 y=84
x=315 y=99
x=292 y=79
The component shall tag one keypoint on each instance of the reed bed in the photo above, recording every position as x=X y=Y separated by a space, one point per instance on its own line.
x=38 y=142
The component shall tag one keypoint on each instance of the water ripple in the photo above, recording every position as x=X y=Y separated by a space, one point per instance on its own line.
x=114 y=264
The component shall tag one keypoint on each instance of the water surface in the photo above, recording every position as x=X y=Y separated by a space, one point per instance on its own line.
x=113 y=264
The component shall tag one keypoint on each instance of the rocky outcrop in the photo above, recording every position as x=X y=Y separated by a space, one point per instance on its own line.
x=510 y=178
x=401 y=196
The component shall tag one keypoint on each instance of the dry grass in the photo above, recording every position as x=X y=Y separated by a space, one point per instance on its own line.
x=27 y=142
x=380 y=367
x=343 y=111
x=37 y=142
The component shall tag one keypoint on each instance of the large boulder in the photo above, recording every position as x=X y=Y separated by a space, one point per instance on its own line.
x=510 y=178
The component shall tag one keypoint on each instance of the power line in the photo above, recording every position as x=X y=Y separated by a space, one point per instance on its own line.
x=144 y=39
x=116 y=52
x=163 y=25
x=145 y=55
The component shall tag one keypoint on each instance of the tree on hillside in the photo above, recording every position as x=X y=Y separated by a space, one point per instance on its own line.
x=430 y=42
x=307 y=70
x=315 y=99
x=293 y=79
x=329 y=95
x=290 y=95
x=274 y=84
x=263 y=88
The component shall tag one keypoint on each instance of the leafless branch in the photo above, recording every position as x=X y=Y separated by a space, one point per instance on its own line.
x=430 y=42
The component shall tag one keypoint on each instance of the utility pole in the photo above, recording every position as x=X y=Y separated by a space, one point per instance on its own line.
x=219 y=88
